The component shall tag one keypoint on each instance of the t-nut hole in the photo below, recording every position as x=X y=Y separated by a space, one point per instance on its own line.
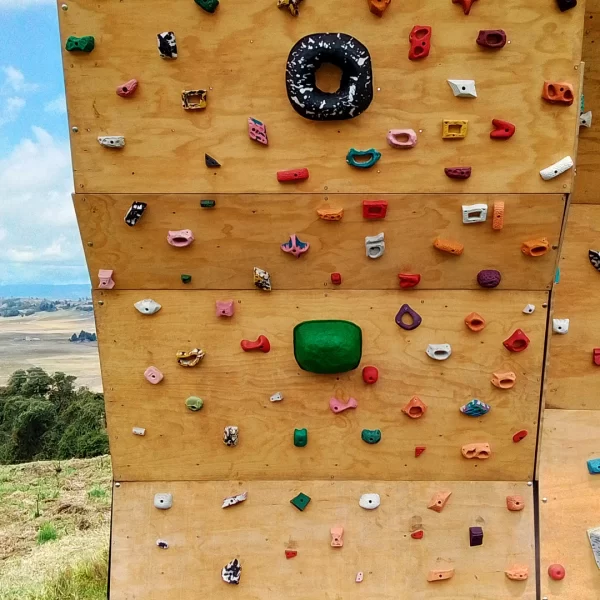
x=328 y=78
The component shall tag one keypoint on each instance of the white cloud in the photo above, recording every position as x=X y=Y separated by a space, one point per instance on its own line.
x=58 y=105
x=10 y=108
x=15 y=80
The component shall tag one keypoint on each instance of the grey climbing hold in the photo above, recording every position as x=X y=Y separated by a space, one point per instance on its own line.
x=233 y=500
x=211 y=162
x=230 y=435
x=594 y=537
x=278 y=397
x=163 y=500
x=232 y=572
x=138 y=431
x=147 y=306
x=111 y=141
x=369 y=501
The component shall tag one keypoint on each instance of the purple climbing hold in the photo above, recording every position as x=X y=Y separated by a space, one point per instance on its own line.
x=489 y=278
x=405 y=309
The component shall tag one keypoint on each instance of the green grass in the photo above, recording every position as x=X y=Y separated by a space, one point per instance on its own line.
x=46 y=533
x=97 y=492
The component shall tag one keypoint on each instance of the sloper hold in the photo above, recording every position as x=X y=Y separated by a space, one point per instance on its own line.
x=439 y=501
x=208 y=5
x=463 y=88
x=80 y=44
x=211 y=162
x=517 y=573
x=564 y=5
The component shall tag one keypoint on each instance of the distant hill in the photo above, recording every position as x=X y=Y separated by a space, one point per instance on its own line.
x=72 y=291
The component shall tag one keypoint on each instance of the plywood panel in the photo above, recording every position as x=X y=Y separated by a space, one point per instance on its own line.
x=203 y=537
x=236 y=387
x=246 y=231
x=239 y=54
x=572 y=503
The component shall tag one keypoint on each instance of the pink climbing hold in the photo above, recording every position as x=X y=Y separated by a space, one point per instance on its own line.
x=127 y=89
x=153 y=375
x=257 y=131
x=295 y=246
x=224 y=308
x=337 y=406
x=105 y=279
x=402 y=138
x=180 y=238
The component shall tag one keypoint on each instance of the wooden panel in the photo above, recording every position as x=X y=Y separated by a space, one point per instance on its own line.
x=236 y=386
x=246 y=231
x=203 y=537
x=573 y=379
x=570 y=438
x=239 y=54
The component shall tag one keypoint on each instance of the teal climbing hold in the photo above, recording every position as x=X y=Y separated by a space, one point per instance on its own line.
x=300 y=437
x=208 y=5
x=372 y=154
x=371 y=436
x=475 y=408
x=557 y=275
x=300 y=501
x=82 y=44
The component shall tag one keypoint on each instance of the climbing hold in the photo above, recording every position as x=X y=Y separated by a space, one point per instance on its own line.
x=596 y=356
x=127 y=89
x=336 y=278
x=208 y=203
x=560 y=326
x=502 y=130
x=300 y=501
x=454 y=129
x=515 y=503
x=374 y=209
x=535 y=248
x=300 y=437
x=370 y=375
x=558 y=92
x=556 y=572
x=415 y=408
x=262 y=344
x=111 y=141
x=291 y=553
x=593 y=465
x=489 y=278
x=330 y=214
x=474 y=321
x=375 y=245
x=466 y=5
x=167 y=45
x=439 y=351
x=162 y=544
x=441 y=574
x=193 y=99
x=224 y=308
x=230 y=435
x=463 y=88
x=417 y=535
x=517 y=573
x=153 y=375
x=564 y=5
x=163 y=501
x=594 y=257
x=277 y=397
x=415 y=318
x=449 y=246
x=147 y=306
x=594 y=537
x=474 y=213
x=498 y=216
x=517 y=342
x=291 y=5
x=233 y=500
x=402 y=138
x=80 y=44
x=458 y=172
x=371 y=436
x=180 y=238
x=208 y=5
x=262 y=280
x=105 y=279
x=211 y=163
x=232 y=572
x=257 y=131
x=529 y=309
x=369 y=501
x=558 y=168
x=337 y=537
x=438 y=501
x=420 y=42
x=292 y=175
x=135 y=212
x=475 y=408
x=186 y=278
x=491 y=38
x=372 y=154
x=585 y=119
x=359 y=577
x=191 y=358
x=482 y=451
x=378 y=7
x=138 y=431
x=419 y=450
x=295 y=246
x=337 y=406
x=408 y=280
x=504 y=381
x=475 y=536
x=520 y=435
x=194 y=403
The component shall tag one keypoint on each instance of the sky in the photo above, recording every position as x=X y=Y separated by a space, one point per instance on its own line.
x=39 y=239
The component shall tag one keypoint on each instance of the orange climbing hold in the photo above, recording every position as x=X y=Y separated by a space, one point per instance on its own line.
x=378 y=7
x=504 y=381
x=475 y=322
x=558 y=92
x=449 y=246
x=517 y=573
x=440 y=574
x=536 y=248
x=415 y=408
x=498 y=216
x=515 y=503
x=480 y=450
x=438 y=501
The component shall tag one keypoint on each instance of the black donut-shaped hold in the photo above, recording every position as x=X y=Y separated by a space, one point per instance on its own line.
x=356 y=85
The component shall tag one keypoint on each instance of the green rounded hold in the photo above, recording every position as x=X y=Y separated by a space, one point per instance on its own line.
x=371 y=436
x=208 y=5
x=194 y=403
x=82 y=44
x=327 y=346
x=300 y=437
x=371 y=155
x=186 y=278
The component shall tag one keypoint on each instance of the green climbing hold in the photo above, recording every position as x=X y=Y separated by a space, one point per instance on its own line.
x=207 y=203
x=186 y=278
x=371 y=156
x=300 y=501
x=194 y=403
x=82 y=44
x=327 y=346
x=300 y=437
x=208 y=5
x=371 y=436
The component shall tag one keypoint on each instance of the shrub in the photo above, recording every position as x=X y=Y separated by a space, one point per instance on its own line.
x=46 y=533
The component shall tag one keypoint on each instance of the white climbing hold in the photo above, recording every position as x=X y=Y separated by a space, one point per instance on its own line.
x=369 y=501
x=463 y=88
x=233 y=500
x=474 y=213
x=111 y=141
x=560 y=326
x=529 y=309
x=558 y=168
x=594 y=537
x=439 y=351
x=585 y=119
x=147 y=306
x=375 y=245
x=232 y=572
x=163 y=500
x=278 y=397
x=138 y=431
x=359 y=577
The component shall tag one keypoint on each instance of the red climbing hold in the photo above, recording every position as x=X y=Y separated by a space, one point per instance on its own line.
x=420 y=42
x=419 y=450
x=262 y=344
x=374 y=209
x=466 y=5
x=502 y=129
x=520 y=435
x=292 y=175
x=517 y=342
x=556 y=572
x=291 y=553
x=370 y=375
x=336 y=278
x=596 y=356
x=408 y=280
x=417 y=535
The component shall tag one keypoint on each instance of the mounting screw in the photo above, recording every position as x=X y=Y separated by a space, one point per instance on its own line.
x=544 y=499
x=100 y=302
x=65 y=7
x=117 y=484
x=74 y=129
x=530 y=483
x=90 y=244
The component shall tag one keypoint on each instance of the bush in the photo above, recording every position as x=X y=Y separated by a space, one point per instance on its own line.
x=46 y=533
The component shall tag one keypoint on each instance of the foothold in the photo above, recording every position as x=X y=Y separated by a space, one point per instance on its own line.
x=454 y=129
x=300 y=501
x=517 y=573
x=475 y=322
x=208 y=5
x=564 y=5
x=262 y=344
x=475 y=408
x=585 y=119
x=167 y=45
x=193 y=99
x=560 y=326
x=127 y=89
x=372 y=157
x=300 y=437
x=593 y=465
x=105 y=280
x=517 y=342
x=134 y=213
x=438 y=501
x=337 y=537
x=80 y=44
x=491 y=38
x=336 y=278
x=408 y=280
x=147 y=306
x=415 y=408
x=233 y=500
x=558 y=168
x=371 y=436
x=359 y=577
x=440 y=574
x=594 y=537
x=529 y=309
x=290 y=553
x=138 y=431
x=515 y=503
x=556 y=572
x=463 y=88
x=474 y=213
x=257 y=131
x=186 y=278
x=295 y=246
x=378 y=7
x=439 y=351
x=224 y=308
x=191 y=358
x=458 y=172
x=498 y=216
x=520 y=435
x=208 y=203
x=369 y=501
x=475 y=536
x=504 y=381
x=596 y=356
x=292 y=5
x=480 y=450
x=415 y=318
x=337 y=406
x=262 y=280
x=330 y=214
x=277 y=397
x=163 y=501
x=211 y=163
x=232 y=572
x=502 y=129
x=292 y=175
x=449 y=246
x=112 y=141
x=489 y=278
x=466 y=5
x=402 y=138
x=535 y=248
x=374 y=209
x=375 y=245
x=180 y=238
x=153 y=375
x=370 y=375
x=594 y=257
x=558 y=92
x=420 y=42
x=194 y=403
x=419 y=450
x=417 y=535
x=231 y=435
x=162 y=544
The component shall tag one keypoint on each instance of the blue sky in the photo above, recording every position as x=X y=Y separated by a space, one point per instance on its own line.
x=39 y=240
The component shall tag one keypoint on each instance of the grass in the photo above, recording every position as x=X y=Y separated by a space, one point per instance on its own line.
x=97 y=492
x=46 y=533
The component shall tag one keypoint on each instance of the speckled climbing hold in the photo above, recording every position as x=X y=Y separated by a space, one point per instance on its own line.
x=330 y=214
x=80 y=44
x=475 y=322
x=208 y=203
x=419 y=450
x=257 y=131
x=153 y=375
x=290 y=553
x=408 y=280
x=233 y=500
x=224 y=308
x=556 y=572
x=535 y=248
x=415 y=318
x=529 y=309
x=337 y=406
x=479 y=450
x=292 y=5
x=593 y=465
x=466 y=5
x=498 y=216
x=295 y=246
x=375 y=245
x=558 y=168
x=138 y=431
x=474 y=213
x=517 y=342
x=189 y=358
x=147 y=306
x=180 y=238
x=208 y=5
x=378 y=7
x=359 y=577
x=374 y=209
x=369 y=501
x=337 y=536
x=458 y=172
x=415 y=408
x=594 y=537
x=504 y=381
x=475 y=408
x=491 y=38
x=463 y=88
x=194 y=99
x=515 y=503
x=558 y=92
x=194 y=403
x=585 y=119
x=371 y=155
x=371 y=436
x=112 y=141
x=503 y=130
x=277 y=397
x=453 y=129
x=370 y=375
x=560 y=326
x=127 y=89
x=420 y=42
x=231 y=435
x=232 y=572
x=438 y=501
x=300 y=437
x=292 y=175
x=439 y=351
x=162 y=544
x=440 y=574
x=105 y=280
x=167 y=45
x=402 y=138
x=564 y=5
x=475 y=536
x=520 y=435
x=186 y=278
x=336 y=278
x=300 y=501
x=417 y=535
x=449 y=246
x=211 y=163
x=134 y=213
x=163 y=500
x=517 y=573
x=261 y=343
x=594 y=257
x=262 y=280
x=489 y=278
x=596 y=356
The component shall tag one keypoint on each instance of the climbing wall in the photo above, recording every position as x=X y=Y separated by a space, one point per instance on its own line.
x=240 y=214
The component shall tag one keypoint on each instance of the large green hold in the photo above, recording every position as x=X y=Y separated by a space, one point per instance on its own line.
x=208 y=5
x=82 y=44
x=327 y=346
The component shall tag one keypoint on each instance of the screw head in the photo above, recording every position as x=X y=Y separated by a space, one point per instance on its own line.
x=64 y=6
x=530 y=483
x=90 y=244
x=101 y=302
x=117 y=484
x=544 y=499
x=74 y=129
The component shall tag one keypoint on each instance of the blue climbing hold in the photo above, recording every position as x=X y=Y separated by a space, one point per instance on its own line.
x=475 y=408
x=594 y=466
